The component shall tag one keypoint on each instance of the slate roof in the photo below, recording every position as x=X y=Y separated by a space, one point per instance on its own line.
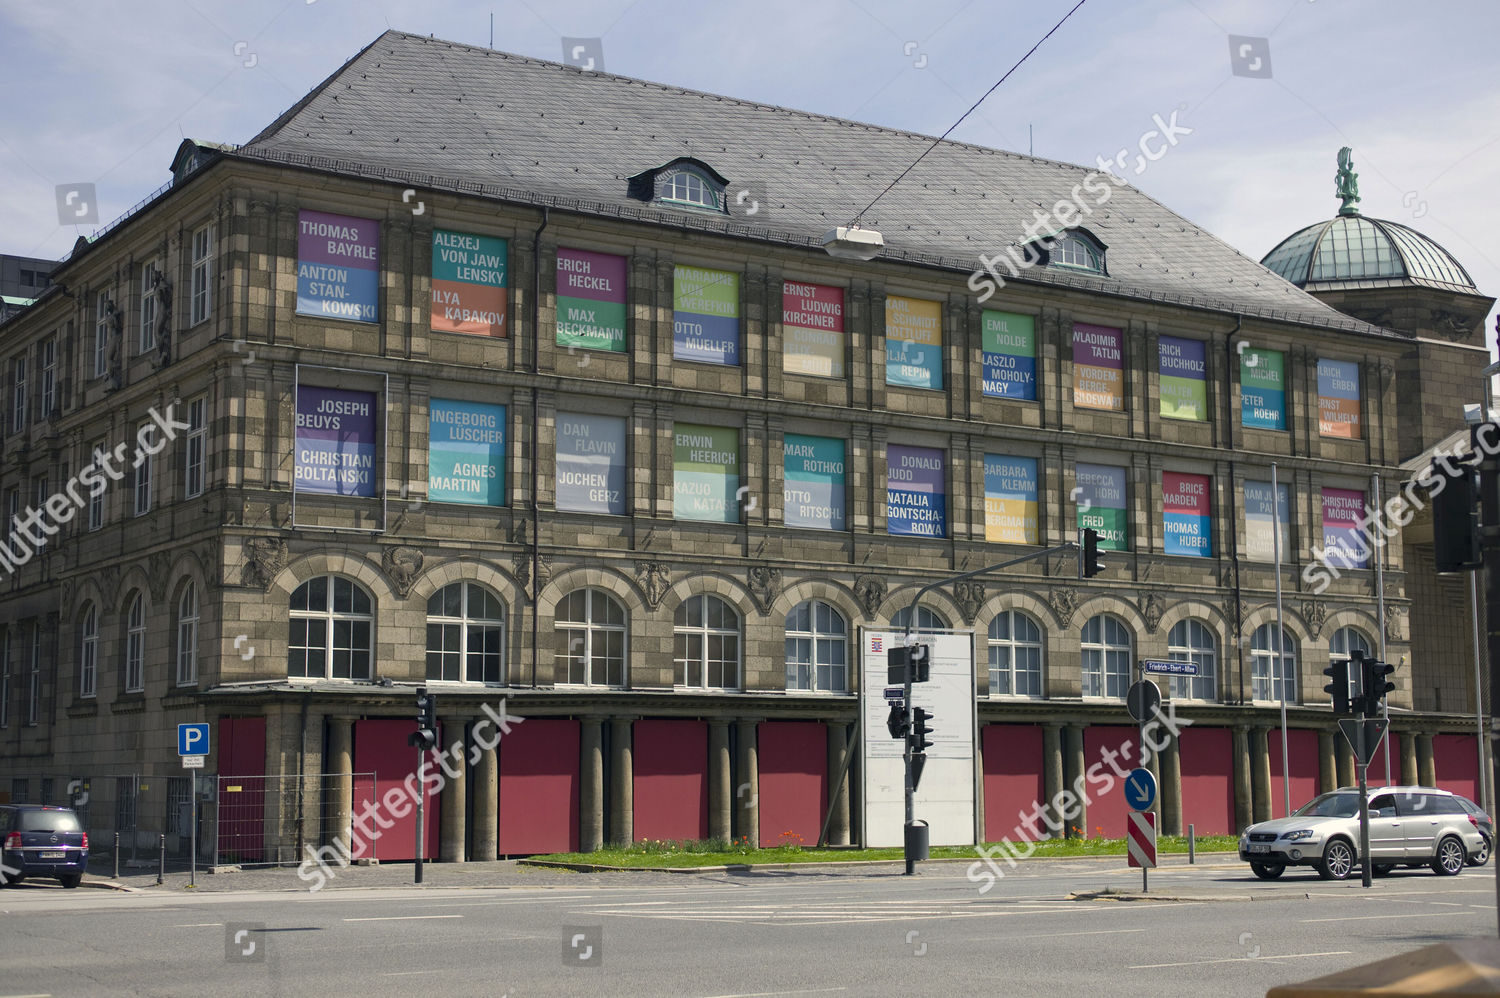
x=441 y=115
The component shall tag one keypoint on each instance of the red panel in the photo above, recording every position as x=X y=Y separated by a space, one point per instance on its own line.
x=1206 y=759
x=1012 y=778
x=1106 y=815
x=793 y=760
x=539 y=787
x=242 y=753
x=380 y=748
x=1302 y=754
x=242 y=746
x=671 y=779
x=1455 y=760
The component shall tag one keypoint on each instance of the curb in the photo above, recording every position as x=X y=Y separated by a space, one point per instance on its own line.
x=1109 y=894
x=835 y=864
x=109 y=885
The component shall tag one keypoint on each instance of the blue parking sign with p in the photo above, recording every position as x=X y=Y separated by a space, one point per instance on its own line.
x=192 y=739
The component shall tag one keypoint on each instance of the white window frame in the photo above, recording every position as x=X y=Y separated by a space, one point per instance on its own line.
x=577 y=641
x=101 y=334
x=195 y=448
x=1005 y=651
x=820 y=642
x=470 y=626
x=699 y=666
x=47 y=363
x=1265 y=678
x=1100 y=657
x=135 y=645
x=96 y=500
x=146 y=339
x=145 y=465
x=928 y=620
x=34 y=700
x=331 y=618
x=201 y=308
x=41 y=487
x=1196 y=643
x=88 y=653
x=187 y=636
x=18 y=397
x=1339 y=647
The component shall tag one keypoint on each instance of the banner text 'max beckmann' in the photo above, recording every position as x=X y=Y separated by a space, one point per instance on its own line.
x=812 y=329
x=591 y=463
x=1009 y=355
x=1338 y=399
x=590 y=300
x=705 y=315
x=1098 y=364
x=338 y=266
x=335 y=441
x=468 y=284
x=1263 y=389
x=1182 y=372
x=1261 y=512
x=1187 y=528
x=913 y=342
x=466 y=453
x=813 y=482
x=916 y=492
x=1010 y=502
x=706 y=473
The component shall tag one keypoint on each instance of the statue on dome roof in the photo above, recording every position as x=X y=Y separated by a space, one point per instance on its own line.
x=1347 y=181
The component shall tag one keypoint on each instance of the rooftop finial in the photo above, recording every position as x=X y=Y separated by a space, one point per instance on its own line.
x=1347 y=180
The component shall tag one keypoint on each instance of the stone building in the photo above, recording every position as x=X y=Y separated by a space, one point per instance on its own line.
x=516 y=381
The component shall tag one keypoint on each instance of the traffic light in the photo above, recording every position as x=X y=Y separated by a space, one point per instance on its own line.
x=920 y=729
x=919 y=657
x=1455 y=520
x=1338 y=686
x=1088 y=555
x=1376 y=686
x=425 y=737
x=896 y=724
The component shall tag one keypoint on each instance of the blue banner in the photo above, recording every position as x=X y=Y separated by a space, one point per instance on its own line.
x=813 y=489
x=466 y=453
x=591 y=463
x=916 y=492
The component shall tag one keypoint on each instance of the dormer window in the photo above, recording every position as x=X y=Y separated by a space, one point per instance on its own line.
x=1070 y=249
x=682 y=183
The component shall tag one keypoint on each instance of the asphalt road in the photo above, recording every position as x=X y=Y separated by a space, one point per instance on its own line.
x=852 y=932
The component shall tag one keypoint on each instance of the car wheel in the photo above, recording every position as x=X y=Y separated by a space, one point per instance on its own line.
x=1382 y=869
x=1337 y=861
x=1482 y=854
x=1267 y=871
x=70 y=880
x=1448 y=861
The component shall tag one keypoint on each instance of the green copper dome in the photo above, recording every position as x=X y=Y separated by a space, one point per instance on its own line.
x=1352 y=248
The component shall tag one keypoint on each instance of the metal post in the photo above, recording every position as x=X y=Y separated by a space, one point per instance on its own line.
x=1484 y=784
x=117 y=855
x=1192 y=845
x=161 y=862
x=193 y=839
x=421 y=810
x=1489 y=532
x=1364 y=807
x=1377 y=549
x=911 y=859
x=1286 y=778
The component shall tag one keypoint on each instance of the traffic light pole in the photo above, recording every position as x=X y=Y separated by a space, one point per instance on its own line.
x=1362 y=770
x=1489 y=534
x=911 y=618
x=421 y=810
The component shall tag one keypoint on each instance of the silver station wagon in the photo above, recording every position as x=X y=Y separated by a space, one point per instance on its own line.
x=1409 y=826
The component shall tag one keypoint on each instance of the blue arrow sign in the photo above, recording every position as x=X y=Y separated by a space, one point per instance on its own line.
x=192 y=739
x=1140 y=789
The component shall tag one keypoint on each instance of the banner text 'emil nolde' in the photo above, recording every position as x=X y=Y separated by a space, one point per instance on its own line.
x=338 y=266
x=335 y=441
x=1009 y=355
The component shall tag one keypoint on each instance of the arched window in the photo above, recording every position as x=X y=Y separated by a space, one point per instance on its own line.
x=135 y=645
x=927 y=620
x=590 y=639
x=1345 y=641
x=707 y=643
x=1191 y=641
x=1015 y=655
x=331 y=625
x=1076 y=252
x=1106 y=657
x=465 y=635
x=817 y=648
x=686 y=186
x=88 y=652
x=187 y=636
x=1273 y=678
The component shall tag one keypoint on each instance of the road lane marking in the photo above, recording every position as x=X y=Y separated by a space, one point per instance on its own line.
x=1369 y=918
x=767 y=994
x=401 y=918
x=197 y=925
x=1240 y=959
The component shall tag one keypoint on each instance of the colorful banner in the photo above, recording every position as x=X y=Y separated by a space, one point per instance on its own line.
x=706 y=315
x=1338 y=399
x=706 y=473
x=468 y=284
x=1183 y=375
x=338 y=266
x=1098 y=367
x=1101 y=505
x=1344 y=539
x=1010 y=510
x=590 y=300
x=591 y=463
x=335 y=440
x=466 y=453
x=1261 y=513
x=913 y=342
x=813 y=489
x=1263 y=389
x=1009 y=343
x=1187 y=526
x=916 y=500
x=812 y=330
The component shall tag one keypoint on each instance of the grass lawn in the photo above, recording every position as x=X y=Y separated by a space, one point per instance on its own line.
x=740 y=852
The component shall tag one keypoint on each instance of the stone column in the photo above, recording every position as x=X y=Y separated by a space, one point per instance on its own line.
x=1328 y=774
x=1346 y=761
x=621 y=783
x=340 y=791
x=1408 y=757
x=1153 y=765
x=747 y=793
x=454 y=800
x=1170 y=759
x=838 y=824
x=591 y=785
x=1260 y=773
x=1244 y=809
x=486 y=777
x=1073 y=771
x=1426 y=770
x=720 y=793
x=1052 y=771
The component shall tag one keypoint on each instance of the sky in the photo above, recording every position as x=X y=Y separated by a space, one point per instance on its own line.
x=102 y=92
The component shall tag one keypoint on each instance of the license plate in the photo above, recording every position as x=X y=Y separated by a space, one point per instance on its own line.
x=1260 y=848
x=53 y=855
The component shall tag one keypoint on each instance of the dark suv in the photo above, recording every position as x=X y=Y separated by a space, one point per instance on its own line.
x=38 y=841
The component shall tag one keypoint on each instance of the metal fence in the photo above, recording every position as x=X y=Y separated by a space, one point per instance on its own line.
x=275 y=820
